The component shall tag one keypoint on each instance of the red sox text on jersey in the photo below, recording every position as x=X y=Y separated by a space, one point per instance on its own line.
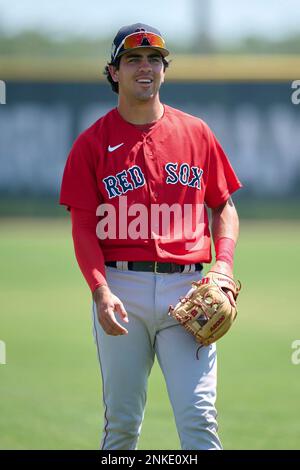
x=133 y=178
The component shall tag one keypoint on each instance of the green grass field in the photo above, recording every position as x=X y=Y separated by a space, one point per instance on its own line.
x=50 y=389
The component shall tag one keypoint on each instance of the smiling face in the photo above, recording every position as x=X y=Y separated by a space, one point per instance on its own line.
x=140 y=74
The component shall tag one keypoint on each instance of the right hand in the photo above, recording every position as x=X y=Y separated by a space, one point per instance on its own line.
x=107 y=304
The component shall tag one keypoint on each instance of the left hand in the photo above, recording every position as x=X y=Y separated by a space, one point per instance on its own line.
x=224 y=268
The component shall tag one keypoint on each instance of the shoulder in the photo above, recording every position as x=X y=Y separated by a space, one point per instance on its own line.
x=187 y=121
x=86 y=149
x=96 y=132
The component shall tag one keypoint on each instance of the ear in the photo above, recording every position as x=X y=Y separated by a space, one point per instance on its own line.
x=114 y=73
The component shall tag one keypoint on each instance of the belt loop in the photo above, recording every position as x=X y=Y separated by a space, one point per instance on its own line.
x=187 y=268
x=192 y=268
x=122 y=265
x=155 y=266
x=119 y=265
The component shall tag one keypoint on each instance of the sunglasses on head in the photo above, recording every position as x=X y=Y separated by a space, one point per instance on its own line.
x=141 y=39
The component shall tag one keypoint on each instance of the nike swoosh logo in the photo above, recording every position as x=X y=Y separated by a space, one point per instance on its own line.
x=111 y=149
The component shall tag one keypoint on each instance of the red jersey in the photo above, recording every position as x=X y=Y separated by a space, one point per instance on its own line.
x=172 y=171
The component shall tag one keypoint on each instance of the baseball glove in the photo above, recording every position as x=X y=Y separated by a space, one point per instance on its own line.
x=207 y=310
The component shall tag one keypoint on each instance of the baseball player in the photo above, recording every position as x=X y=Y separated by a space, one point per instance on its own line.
x=131 y=182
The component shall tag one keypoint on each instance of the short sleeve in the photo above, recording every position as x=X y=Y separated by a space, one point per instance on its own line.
x=79 y=183
x=222 y=180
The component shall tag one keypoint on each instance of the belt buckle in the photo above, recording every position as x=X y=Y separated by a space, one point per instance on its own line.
x=155 y=266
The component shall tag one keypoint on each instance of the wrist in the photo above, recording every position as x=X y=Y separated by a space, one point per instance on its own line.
x=222 y=267
x=225 y=250
x=100 y=291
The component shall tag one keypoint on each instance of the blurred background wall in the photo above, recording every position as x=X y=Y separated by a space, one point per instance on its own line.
x=232 y=65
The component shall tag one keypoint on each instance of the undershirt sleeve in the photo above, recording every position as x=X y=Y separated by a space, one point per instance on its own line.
x=87 y=249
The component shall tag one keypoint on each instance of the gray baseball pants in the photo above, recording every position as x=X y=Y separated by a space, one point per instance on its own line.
x=126 y=362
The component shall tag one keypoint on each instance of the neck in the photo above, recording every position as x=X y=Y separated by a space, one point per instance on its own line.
x=142 y=112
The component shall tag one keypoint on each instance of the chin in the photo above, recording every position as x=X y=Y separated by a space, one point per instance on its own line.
x=145 y=96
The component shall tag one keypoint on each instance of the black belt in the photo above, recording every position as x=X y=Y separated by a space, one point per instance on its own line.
x=154 y=267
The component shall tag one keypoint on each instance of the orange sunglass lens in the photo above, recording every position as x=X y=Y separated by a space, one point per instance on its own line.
x=136 y=40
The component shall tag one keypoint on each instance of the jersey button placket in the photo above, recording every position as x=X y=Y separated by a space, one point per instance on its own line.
x=149 y=149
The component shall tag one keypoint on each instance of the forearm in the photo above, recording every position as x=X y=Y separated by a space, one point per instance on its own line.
x=87 y=250
x=225 y=222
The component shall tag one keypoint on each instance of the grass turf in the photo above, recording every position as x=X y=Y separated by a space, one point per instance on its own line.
x=50 y=388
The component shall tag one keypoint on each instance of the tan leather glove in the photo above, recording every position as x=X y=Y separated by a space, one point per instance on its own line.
x=207 y=311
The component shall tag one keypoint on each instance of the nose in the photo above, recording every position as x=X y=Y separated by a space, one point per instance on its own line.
x=145 y=64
